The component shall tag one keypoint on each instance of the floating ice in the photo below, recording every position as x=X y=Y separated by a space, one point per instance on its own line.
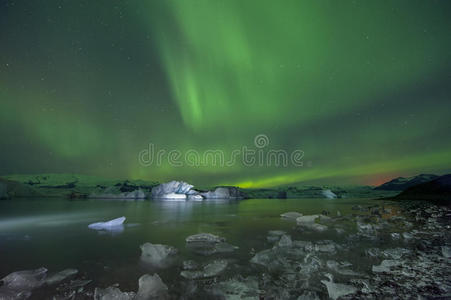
x=157 y=254
x=291 y=215
x=111 y=225
x=204 y=237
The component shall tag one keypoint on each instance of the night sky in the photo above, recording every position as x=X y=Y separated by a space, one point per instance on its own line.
x=363 y=88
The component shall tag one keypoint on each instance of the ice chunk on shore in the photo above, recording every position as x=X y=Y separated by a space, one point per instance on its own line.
x=151 y=287
x=60 y=276
x=112 y=293
x=238 y=288
x=446 y=251
x=25 y=280
x=285 y=241
x=156 y=254
x=210 y=270
x=336 y=290
x=109 y=225
x=385 y=266
x=214 y=268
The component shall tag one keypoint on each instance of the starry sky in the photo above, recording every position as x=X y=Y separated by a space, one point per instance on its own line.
x=362 y=88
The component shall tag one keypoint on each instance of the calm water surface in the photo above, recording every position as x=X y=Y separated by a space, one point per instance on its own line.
x=54 y=233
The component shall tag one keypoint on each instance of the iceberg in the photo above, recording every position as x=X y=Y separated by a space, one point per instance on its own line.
x=109 y=225
x=171 y=190
x=328 y=194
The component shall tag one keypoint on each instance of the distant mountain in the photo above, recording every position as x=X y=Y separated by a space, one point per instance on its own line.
x=437 y=190
x=402 y=183
x=75 y=185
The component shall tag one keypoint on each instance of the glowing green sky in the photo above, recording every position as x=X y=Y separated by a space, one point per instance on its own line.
x=363 y=88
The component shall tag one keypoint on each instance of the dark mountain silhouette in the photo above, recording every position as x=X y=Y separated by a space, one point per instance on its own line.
x=403 y=183
x=437 y=190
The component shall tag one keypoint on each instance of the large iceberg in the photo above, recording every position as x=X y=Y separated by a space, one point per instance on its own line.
x=111 y=225
x=172 y=190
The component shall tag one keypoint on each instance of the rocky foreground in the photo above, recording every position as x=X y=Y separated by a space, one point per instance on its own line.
x=373 y=253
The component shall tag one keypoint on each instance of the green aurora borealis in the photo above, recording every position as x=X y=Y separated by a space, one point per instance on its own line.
x=362 y=87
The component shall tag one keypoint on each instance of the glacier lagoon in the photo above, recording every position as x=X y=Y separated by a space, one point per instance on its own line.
x=358 y=247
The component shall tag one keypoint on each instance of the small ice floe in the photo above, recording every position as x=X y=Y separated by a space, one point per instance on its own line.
x=291 y=215
x=208 y=244
x=157 y=254
x=309 y=223
x=115 y=225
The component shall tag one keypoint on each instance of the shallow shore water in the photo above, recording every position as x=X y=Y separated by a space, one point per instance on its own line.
x=355 y=248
